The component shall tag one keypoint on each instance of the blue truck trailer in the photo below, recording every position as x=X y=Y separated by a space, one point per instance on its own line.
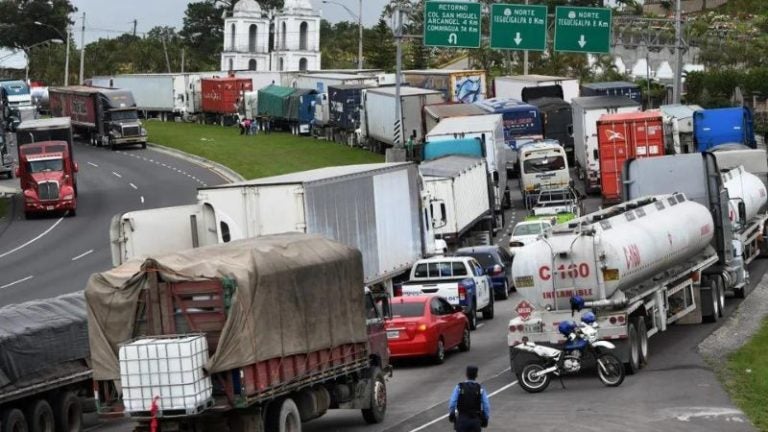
x=613 y=88
x=717 y=126
x=521 y=123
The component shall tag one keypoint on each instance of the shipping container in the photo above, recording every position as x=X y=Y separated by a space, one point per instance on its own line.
x=622 y=137
x=717 y=126
x=557 y=120
x=528 y=87
x=223 y=95
x=461 y=86
x=434 y=113
x=383 y=128
x=613 y=88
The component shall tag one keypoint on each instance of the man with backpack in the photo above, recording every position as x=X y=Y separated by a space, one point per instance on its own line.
x=470 y=401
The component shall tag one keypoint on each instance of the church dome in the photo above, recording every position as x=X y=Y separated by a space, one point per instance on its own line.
x=301 y=6
x=246 y=8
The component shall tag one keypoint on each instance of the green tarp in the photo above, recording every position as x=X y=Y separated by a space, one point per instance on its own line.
x=273 y=101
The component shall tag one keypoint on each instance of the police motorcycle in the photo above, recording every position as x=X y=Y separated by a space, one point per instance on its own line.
x=581 y=344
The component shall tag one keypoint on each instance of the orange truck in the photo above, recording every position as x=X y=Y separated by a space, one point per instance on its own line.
x=626 y=136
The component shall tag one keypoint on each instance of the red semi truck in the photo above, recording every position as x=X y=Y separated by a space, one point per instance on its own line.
x=46 y=167
x=269 y=332
x=104 y=117
x=625 y=136
x=222 y=97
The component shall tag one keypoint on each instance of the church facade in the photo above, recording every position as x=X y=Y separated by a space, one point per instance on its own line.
x=258 y=40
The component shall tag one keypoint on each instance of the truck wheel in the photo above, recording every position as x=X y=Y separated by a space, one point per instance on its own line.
x=633 y=345
x=14 y=421
x=488 y=310
x=709 y=297
x=68 y=412
x=720 y=295
x=642 y=338
x=375 y=414
x=41 y=417
x=284 y=416
x=144 y=145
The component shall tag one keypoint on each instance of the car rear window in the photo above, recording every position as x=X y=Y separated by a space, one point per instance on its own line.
x=485 y=259
x=407 y=310
x=440 y=269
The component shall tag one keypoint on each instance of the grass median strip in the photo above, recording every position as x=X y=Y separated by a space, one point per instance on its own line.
x=747 y=378
x=259 y=155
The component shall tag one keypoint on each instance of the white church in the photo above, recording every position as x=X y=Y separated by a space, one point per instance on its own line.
x=259 y=40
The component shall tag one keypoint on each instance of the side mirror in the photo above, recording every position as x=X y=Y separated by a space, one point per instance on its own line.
x=77 y=167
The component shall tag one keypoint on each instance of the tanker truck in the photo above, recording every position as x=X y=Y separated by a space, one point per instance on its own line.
x=640 y=266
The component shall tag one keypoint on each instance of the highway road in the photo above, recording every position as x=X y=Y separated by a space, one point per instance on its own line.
x=45 y=257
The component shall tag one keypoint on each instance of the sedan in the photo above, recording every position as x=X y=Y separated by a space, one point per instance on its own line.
x=526 y=233
x=497 y=264
x=426 y=326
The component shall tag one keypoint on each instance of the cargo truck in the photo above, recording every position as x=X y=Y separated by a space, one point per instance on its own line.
x=613 y=88
x=345 y=104
x=678 y=127
x=351 y=204
x=45 y=376
x=625 y=136
x=557 y=121
x=434 y=113
x=105 y=117
x=321 y=83
x=382 y=127
x=522 y=124
x=714 y=127
x=253 y=335
x=586 y=113
x=458 y=86
x=529 y=87
x=288 y=108
x=457 y=183
x=46 y=167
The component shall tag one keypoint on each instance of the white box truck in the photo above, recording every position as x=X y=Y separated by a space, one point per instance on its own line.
x=383 y=128
x=457 y=184
x=351 y=204
x=586 y=112
x=529 y=87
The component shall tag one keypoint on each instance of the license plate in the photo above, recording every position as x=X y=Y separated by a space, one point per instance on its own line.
x=411 y=293
x=393 y=334
x=49 y=207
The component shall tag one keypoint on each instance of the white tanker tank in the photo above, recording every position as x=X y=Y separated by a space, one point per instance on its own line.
x=744 y=187
x=601 y=255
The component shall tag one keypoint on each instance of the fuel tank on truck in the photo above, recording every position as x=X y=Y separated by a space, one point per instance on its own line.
x=603 y=254
x=744 y=187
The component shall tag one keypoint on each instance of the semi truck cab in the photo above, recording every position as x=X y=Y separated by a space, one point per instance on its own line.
x=123 y=127
x=47 y=175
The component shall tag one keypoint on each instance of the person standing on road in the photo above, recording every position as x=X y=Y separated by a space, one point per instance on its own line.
x=470 y=400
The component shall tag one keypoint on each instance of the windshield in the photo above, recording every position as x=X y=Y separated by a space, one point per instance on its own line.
x=484 y=258
x=527 y=229
x=407 y=310
x=544 y=164
x=124 y=115
x=45 y=165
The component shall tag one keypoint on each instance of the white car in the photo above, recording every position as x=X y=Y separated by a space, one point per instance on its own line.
x=526 y=232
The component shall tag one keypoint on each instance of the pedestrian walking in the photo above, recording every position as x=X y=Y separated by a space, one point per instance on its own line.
x=247 y=126
x=268 y=124
x=469 y=409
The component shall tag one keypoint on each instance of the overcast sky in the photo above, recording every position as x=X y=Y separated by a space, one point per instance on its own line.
x=110 y=18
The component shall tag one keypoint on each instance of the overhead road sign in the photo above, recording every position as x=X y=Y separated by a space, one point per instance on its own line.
x=452 y=24
x=519 y=27
x=582 y=29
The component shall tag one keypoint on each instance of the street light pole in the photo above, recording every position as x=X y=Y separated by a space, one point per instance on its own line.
x=82 y=49
x=359 y=17
x=677 y=90
x=28 y=50
x=66 y=57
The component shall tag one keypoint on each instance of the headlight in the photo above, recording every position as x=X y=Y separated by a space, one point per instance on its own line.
x=68 y=197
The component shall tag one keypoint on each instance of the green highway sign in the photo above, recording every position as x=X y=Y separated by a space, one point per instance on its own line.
x=518 y=27
x=452 y=24
x=582 y=29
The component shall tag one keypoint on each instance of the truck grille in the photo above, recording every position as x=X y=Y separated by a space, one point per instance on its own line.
x=48 y=191
x=131 y=131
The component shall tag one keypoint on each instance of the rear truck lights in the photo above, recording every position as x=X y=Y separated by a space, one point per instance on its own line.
x=462 y=291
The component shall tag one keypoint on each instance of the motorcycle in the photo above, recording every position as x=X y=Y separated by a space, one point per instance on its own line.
x=581 y=343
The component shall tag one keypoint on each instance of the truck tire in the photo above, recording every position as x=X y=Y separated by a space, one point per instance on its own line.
x=283 y=416
x=68 y=412
x=720 y=295
x=488 y=311
x=13 y=421
x=633 y=345
x=144 y=145
x=375 y=414
x=642 y=338
x=40 y=417
x=709 y=297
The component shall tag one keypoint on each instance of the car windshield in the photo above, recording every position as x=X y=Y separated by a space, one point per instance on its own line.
x=544 y=164
x=486 y=259
x=528 y=229
x=407 y=310
x=45 y=165
x=124 y=115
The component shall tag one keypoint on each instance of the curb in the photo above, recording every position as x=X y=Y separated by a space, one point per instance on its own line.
x=226 y=173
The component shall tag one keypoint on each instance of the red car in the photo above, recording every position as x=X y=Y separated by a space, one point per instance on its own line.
x=426 y=326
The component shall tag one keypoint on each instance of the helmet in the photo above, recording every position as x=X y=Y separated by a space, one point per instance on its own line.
x=566 y=327
x=577 y=303
x=588 y=318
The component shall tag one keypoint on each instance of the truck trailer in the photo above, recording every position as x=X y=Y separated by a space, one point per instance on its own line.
x=46 y=166
x=458 y=86
x=104 y=117
x=522 y=124
x=613 y=88
x=345 y=103
x=557 y=121
x=253 y=335
x=382 y=127
x=718 y=126
x=222 y=97
x=434 y=113
x=288 y=108
x=529 y=87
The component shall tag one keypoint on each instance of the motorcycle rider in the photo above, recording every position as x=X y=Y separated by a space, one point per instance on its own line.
x=471 y=401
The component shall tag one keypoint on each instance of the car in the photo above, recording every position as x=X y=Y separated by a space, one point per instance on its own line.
x=527 y=232
x=426 y=326
x=497 y=264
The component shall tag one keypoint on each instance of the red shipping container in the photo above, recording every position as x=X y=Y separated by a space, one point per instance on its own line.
x=223 y=95
x=625 y=136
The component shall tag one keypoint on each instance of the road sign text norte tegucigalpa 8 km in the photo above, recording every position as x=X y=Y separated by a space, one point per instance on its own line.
x=452 y=24
x=518 y=27
x=582 y=29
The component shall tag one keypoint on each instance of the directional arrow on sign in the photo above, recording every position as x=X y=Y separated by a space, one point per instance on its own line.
x=453 y=38
x=582 y=42
x=517 y=38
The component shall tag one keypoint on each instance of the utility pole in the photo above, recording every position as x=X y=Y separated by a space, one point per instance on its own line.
x=525 y=57
x=82 y=50
x=165 y=49
x=360 y=35
x=182 y=60
x=678 y=88
x=397 y=153
x=135 y=22
x=66 y=57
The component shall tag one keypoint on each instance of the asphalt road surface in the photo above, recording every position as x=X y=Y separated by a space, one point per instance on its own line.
x=49 y=256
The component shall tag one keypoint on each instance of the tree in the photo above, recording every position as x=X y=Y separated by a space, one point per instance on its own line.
x=381 y=47
x=18 y=29
x=203 y=34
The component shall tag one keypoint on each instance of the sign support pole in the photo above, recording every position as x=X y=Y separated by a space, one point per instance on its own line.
x=678 y=88
x=525 y=56
x=398 y=72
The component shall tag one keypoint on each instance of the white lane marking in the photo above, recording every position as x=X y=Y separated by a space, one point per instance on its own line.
x=82 y=255
x=443 y=417
x=133 y=185
x=480 y=325
x=117 y=175
x=142 y=199
x=93 y=164
x=16 y=282
x=33 y=240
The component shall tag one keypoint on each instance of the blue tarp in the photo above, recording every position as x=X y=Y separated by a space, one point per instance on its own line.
x=713 y=127
x=460 y=147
